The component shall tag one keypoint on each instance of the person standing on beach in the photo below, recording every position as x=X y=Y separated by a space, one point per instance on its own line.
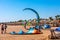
x=5 y=27
x=25 y=24
x=2 y=28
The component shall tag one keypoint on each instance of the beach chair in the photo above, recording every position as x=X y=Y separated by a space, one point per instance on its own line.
x=55 y=35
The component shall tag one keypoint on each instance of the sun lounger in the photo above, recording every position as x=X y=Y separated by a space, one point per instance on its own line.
x=54 y=35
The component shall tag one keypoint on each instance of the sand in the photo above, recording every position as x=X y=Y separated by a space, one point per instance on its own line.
x=15 y=28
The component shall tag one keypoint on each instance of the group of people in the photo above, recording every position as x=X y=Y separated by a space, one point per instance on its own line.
x=3 y=28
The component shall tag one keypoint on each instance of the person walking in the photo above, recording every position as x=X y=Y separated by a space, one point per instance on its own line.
x=2 y=28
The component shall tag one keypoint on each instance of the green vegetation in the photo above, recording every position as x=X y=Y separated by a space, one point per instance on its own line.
x=57 y=17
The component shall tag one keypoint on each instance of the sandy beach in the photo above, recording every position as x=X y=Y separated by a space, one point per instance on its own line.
x=15 y=28
x=37 y=15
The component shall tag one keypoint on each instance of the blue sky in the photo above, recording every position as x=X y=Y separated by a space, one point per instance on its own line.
x=12 y=10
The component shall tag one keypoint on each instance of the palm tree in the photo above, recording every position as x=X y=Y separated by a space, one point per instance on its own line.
x=57 y=17
x=50 y=18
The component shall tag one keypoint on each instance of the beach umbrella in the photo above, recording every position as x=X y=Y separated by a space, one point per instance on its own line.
x=37 y=15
